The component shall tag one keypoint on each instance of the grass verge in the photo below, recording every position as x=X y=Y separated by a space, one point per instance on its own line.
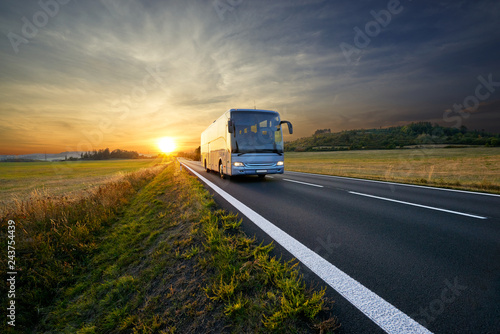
x=172 y=263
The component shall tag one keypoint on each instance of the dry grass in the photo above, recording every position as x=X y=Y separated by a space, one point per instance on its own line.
x=461 y=168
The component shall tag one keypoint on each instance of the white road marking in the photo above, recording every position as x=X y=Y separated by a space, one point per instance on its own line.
x=419 y=205
x=309 y=184
x=399 y=184
x=384 y=314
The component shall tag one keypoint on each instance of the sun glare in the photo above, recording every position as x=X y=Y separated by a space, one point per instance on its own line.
x=166 y=145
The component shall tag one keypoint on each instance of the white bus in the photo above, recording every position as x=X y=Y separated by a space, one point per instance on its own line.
x=244 y=142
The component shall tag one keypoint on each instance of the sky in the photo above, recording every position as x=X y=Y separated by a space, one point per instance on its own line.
x=85 y=75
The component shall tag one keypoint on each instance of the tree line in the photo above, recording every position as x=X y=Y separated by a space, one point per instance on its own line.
x=106 y=154
x=194 y=155
x=421 y=133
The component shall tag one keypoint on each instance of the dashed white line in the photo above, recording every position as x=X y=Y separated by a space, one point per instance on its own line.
x=384 y=314
x=398 y=184
x=308 y=184
x=419 y=205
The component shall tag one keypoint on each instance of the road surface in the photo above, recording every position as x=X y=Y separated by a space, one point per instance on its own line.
x=431 y=255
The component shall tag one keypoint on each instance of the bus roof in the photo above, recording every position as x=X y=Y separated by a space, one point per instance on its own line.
x=254 y=110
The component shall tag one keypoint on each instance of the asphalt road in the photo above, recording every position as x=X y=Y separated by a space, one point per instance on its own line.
x=434 y=254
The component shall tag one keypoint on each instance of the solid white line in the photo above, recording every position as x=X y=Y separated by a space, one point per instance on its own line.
x=309 y=184
x=399 y=184
x=419 y=205
x=384 y=314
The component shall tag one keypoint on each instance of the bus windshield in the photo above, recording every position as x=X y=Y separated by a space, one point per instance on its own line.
x=257 y=132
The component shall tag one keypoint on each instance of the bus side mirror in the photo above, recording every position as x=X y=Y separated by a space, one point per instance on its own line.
x=290 y=127
x=230 y=126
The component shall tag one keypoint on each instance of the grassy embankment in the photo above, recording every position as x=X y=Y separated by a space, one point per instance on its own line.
x=475 y=169
x=150 y=253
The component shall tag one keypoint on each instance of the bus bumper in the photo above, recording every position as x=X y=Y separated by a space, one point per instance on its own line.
x=260 y=171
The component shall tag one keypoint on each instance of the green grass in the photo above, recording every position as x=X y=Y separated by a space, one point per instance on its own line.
x=460 y=168
x=259 y=292
x=20 y=179
x=163 y=260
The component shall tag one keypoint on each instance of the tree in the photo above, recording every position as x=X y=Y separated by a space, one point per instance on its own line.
x=320 y=131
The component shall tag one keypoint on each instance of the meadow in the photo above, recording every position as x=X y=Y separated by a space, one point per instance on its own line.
x=19 y=180
x=468 y=168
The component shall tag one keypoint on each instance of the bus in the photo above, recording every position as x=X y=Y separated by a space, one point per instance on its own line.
x=244 y=142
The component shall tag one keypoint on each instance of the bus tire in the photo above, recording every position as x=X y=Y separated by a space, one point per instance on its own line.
x=221 y=171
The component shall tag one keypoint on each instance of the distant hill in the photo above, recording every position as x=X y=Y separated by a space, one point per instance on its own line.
x=102 y=154
x=422 y=133
x=41 y=156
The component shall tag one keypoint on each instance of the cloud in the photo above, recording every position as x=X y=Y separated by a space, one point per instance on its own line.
x=92 y=63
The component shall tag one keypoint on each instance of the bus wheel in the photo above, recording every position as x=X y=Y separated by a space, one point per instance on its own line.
x=206 y=169
x=221 y=171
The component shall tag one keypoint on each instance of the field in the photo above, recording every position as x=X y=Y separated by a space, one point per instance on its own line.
x=18 y=180
x=145 y=252
x=461 y=168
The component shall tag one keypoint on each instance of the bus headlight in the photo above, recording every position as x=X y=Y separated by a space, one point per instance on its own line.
x=280 y=163
x=238 y=164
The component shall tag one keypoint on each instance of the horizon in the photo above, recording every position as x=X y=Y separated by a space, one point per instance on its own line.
x=83 y=76
x=159 y=152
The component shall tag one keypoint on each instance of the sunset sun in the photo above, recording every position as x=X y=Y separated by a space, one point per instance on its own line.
x=166 y=145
